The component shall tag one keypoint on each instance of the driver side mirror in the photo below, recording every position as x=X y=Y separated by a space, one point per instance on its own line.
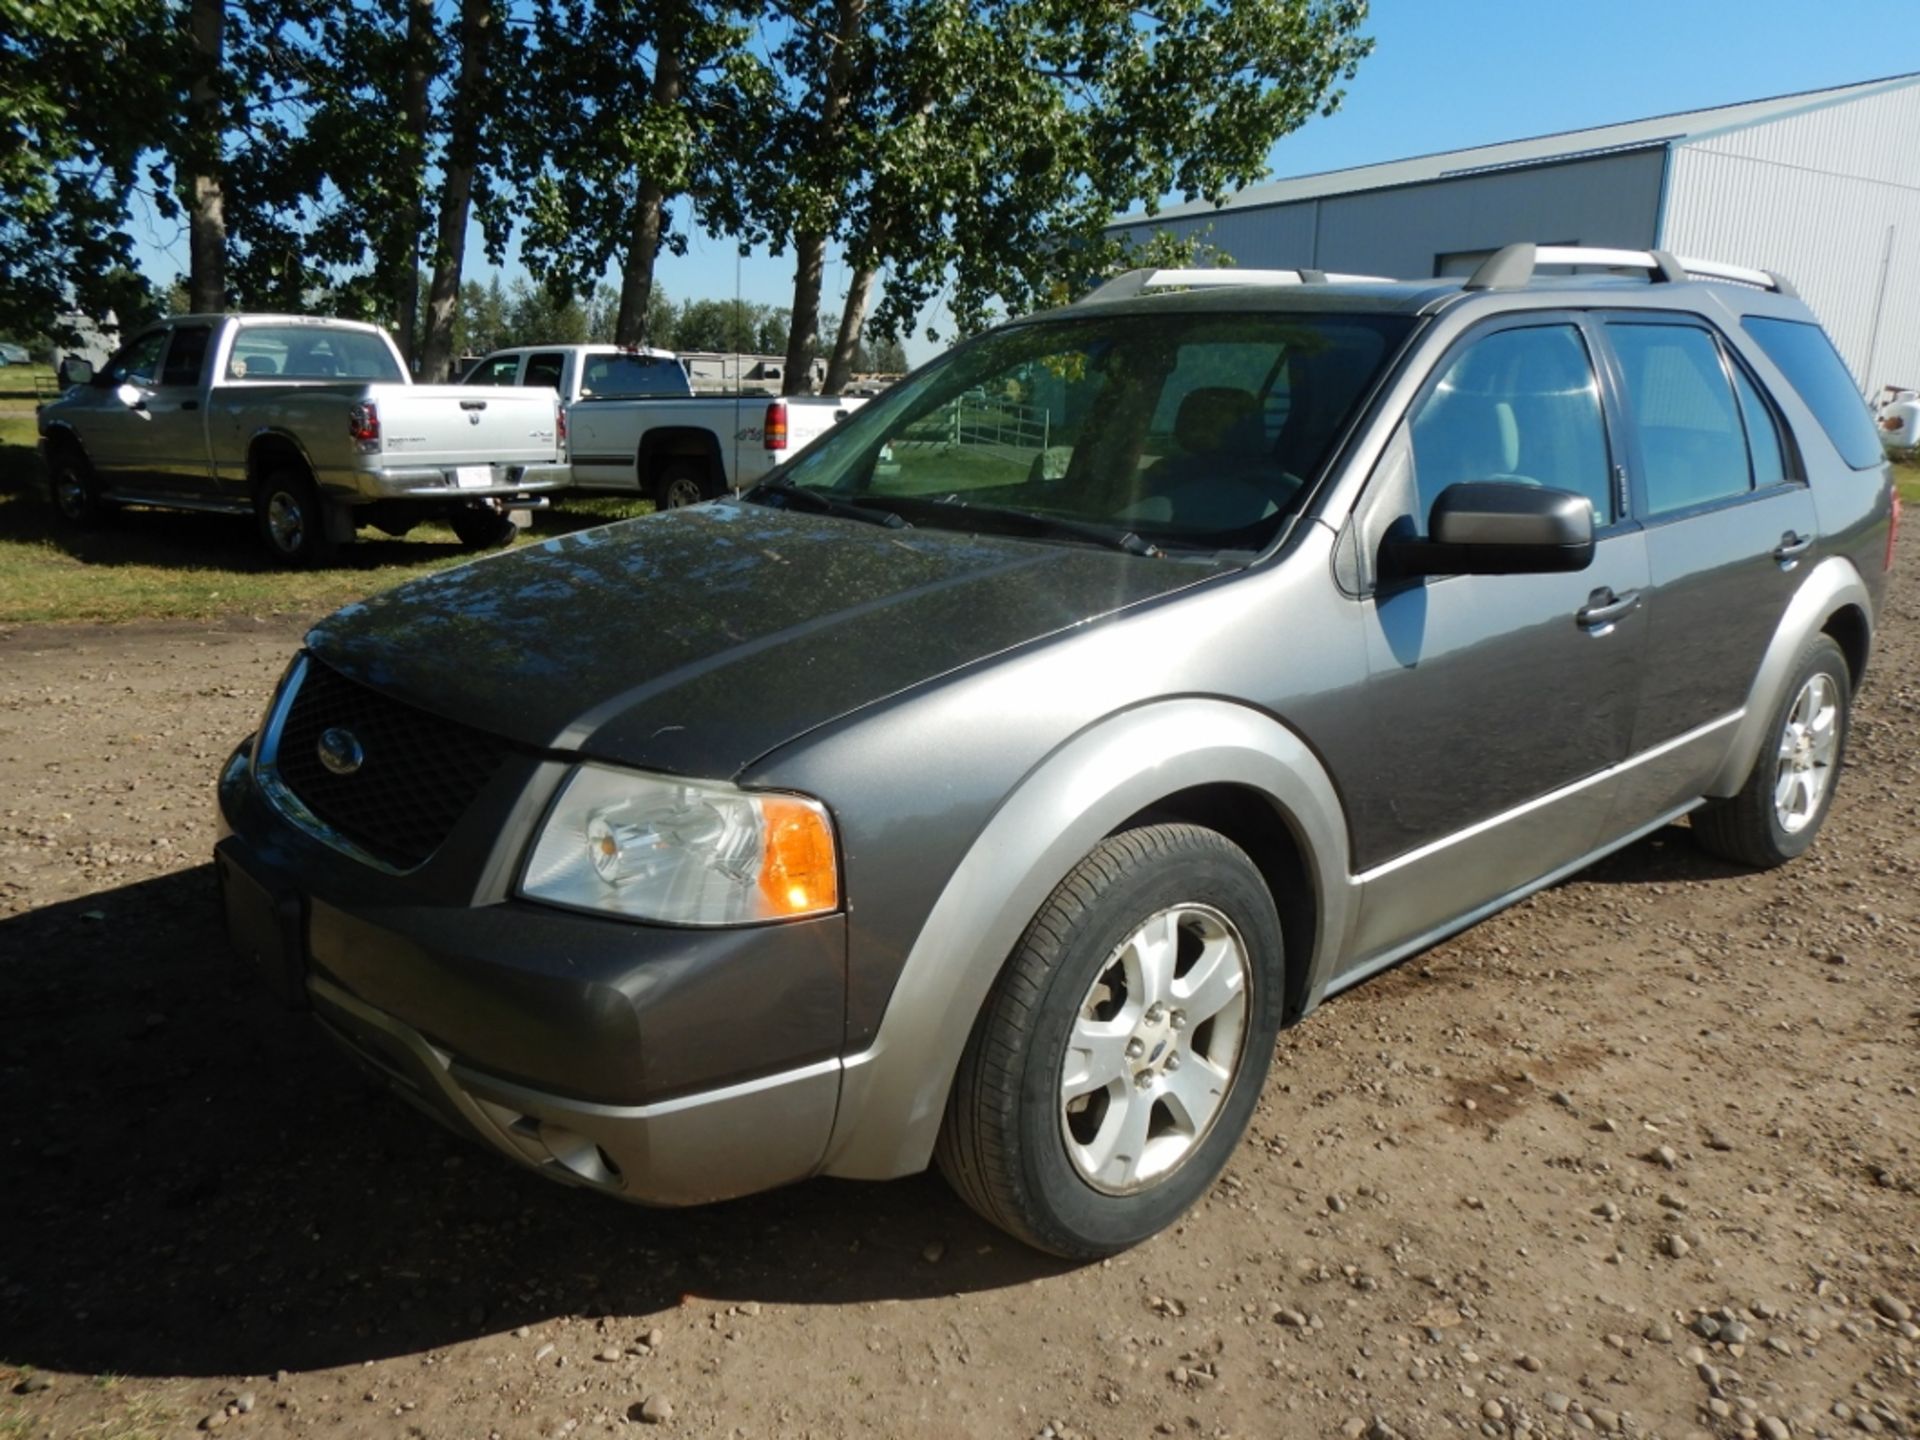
x=75 y=371
x=1498 y=527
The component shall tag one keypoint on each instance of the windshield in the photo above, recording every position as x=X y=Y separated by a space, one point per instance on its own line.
x=1184 y=430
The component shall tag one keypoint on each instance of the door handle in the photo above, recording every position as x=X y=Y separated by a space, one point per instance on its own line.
x=1792 y=547
x=1604 y=608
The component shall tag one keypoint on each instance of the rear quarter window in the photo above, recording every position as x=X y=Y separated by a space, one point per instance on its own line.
x=1814 y=368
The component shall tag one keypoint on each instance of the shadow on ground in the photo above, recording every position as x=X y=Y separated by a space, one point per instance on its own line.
x=196 y=1183
x=193 y=540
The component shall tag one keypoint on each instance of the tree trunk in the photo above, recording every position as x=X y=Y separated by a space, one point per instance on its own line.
x=200 y=174
x=643 y=246
x=401 y=251
x=852 y=320
x=456 y=195
x=810 y=246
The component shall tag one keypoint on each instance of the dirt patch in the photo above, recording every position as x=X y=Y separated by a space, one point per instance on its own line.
x=1687 y=1173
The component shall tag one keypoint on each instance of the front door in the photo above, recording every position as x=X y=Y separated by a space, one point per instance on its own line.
x=117 y=430
x=1495 y=704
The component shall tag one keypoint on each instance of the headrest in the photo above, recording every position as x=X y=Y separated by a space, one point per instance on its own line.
x=1214 y=417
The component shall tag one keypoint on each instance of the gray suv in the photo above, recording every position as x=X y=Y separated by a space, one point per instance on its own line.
x=990 y=785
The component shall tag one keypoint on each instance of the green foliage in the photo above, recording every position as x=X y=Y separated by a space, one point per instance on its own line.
x=730 y=325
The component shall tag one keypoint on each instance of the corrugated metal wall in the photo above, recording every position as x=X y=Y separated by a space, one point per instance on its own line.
x=1600 y=200
x=1831 y=200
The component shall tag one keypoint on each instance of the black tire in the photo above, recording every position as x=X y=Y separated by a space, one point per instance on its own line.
x=683 y=482
x=1004 y=1142
x=1752 y=827
x=479 y=526
x=292 y=519
x=75 y=490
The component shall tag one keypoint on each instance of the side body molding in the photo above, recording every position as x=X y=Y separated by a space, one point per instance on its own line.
x=1832 y=585
x=894 y=1093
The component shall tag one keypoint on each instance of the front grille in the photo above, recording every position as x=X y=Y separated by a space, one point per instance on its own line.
x=419 y=773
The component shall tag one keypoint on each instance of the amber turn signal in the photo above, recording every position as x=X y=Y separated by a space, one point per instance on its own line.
x=797 y=870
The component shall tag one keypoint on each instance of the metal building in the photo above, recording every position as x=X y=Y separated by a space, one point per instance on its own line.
x=1823 y=187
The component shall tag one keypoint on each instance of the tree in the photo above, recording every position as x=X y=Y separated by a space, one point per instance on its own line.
x=659 y=99
x=459 y=161
x=85 y=89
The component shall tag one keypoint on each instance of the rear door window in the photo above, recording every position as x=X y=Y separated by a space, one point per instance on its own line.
x=1693 y=446
x=186 y=355
x=545 y=370
x=1814 y=368
x=495 y=370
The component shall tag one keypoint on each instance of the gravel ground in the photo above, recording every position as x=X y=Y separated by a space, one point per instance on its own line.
x=1636 y=1157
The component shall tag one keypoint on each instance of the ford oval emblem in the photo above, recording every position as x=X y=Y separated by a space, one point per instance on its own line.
x=341 y=751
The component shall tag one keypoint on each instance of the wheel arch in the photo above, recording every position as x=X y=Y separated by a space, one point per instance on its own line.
x=1833 y=600
x=1200 y=759
x=659 y=447
x=268 y=448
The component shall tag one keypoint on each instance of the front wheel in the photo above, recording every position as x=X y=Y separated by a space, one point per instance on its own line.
x=1117 y=1062
x=292 y=520
x=76 y=490
x=1790 y=790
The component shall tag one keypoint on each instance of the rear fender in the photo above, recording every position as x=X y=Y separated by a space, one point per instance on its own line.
x=1830 y=587
x=893 y=1094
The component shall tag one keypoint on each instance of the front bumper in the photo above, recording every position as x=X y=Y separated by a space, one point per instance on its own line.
x=664 y=1066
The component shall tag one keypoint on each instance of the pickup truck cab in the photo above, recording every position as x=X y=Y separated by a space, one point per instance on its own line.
x=637 y=427
x=311 y=425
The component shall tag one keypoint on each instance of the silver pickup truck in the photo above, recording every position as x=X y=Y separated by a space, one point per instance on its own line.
x=310 y=425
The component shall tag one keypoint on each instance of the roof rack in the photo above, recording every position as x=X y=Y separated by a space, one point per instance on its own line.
x=1137 y=282
x=1512 y=267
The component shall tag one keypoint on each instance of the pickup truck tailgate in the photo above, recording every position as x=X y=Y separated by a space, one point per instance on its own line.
x=469 y=424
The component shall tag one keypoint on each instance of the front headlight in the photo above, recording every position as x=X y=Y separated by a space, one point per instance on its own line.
x=683 y=852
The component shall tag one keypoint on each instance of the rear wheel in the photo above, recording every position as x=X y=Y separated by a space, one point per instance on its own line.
x=1786 y=798
x=76 y=490
x=479 y=526
x=1119 y=1058
x=293 y=524
x=680 y=483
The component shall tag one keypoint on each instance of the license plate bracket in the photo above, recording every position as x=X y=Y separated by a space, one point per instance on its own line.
x=472 y=477
x=267 y=930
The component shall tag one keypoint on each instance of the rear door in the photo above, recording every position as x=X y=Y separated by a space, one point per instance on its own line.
x=1729 y=519
x=1495 y=705
x=177 y=430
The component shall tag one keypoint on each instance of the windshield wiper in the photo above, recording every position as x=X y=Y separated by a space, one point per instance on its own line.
x=1031 y=522
x=821 y=503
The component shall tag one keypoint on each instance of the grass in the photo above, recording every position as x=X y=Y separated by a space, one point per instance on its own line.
x=152 y=564
x=1906 y=475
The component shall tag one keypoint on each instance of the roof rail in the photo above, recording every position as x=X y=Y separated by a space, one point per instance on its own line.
x=1512 y=267
x=1137 y=282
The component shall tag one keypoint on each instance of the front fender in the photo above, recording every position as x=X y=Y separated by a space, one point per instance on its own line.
x=1830 y=587
x=894 y=1093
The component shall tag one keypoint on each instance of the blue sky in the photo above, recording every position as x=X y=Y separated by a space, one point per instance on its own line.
x=1452 y=73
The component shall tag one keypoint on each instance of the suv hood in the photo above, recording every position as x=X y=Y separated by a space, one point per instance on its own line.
x=695 y=641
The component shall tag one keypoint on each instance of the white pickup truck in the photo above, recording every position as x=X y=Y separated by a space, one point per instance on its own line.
x=310 y=425
x=1897 y=412
x=635 y=425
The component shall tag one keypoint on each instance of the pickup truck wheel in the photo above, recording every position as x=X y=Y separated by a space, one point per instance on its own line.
x=76 y=491
x=288 y=507
x=1116 y=1063
x=479 y=526
x=1786 y=798
x=683 y=482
